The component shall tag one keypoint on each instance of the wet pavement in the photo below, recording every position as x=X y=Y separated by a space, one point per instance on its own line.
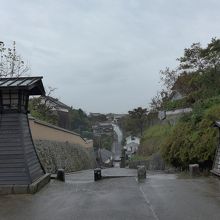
x=173 y=198
x=115 y=172
x=161 y=196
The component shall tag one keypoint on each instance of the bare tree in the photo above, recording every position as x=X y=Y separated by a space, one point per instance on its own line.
x=157 y=101
x=168 y=78
x=42 y=109
x=11 y=63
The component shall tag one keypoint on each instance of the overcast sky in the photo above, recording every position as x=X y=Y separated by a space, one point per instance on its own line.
x=105 y=55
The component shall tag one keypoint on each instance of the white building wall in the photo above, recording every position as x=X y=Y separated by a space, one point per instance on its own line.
x=132 y=139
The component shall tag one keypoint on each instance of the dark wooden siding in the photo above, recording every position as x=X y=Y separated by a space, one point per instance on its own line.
x=19 y=163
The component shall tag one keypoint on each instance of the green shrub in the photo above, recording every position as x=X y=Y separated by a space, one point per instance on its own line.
x=176 y=104
x=136 y=157
x=153 y=138
x=193 y=141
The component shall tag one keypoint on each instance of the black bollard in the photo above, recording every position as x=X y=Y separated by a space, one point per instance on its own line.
x=97 y=174
x=61 y=175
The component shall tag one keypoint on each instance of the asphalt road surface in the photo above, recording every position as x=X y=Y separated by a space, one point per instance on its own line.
x=117 y=146
x=161 y=196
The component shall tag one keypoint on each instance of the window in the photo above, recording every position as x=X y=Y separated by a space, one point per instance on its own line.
x=14 y=100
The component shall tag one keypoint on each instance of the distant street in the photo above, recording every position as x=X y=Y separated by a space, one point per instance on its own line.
x=117 y=145
x=160 y=197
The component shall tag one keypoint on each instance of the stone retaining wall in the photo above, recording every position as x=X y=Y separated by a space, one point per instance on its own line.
x=54 y=155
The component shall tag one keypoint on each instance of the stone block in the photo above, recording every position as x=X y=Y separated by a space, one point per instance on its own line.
x=194 y=169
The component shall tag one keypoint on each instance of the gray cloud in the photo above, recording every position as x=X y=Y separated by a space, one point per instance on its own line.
x=105 y=55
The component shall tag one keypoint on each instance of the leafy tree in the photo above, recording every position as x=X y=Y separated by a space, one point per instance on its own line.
x=212 y=54
x=196 y=77
x=40 y=110
x=198 y=59
x=193 y=59
x=11 y=63
x=94 y=118
x=153 y=138
x=79 y=121
x=192 y=139
x=139 y=115
x=128 y=126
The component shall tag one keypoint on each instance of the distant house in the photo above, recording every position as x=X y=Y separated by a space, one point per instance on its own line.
x=118 y=117
x=110 y=117
x=97 y=117
x=95 y=114
x=55 y=104
x=132 y=144
x=60 y=109
x=132 y=139
x=114 y=117
x=106 y=127
x=102 y=128
x=131 y=148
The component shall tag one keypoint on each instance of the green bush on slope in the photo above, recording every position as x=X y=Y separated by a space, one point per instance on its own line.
x=153 y=138
x=193 y=140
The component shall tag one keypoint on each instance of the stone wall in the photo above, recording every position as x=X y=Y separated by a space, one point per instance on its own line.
x=173 y=116
x=54 y=155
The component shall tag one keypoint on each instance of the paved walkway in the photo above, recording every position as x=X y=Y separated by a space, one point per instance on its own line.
x=173 y=197
x=116 y=172
x=88 y=175
x=161 y=196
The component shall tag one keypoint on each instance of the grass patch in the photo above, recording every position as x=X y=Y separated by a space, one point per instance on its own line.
x=153 y=138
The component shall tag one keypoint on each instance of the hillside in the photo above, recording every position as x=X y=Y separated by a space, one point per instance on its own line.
x=193 y=83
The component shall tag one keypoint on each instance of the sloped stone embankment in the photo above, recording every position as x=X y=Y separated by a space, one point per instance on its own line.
x=54 y=155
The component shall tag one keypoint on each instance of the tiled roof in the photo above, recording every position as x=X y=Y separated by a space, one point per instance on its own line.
x=57 y=102
x=33 y=84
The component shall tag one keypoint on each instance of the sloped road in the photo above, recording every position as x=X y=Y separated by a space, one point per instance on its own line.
x=117 y=145
x=161 y=196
